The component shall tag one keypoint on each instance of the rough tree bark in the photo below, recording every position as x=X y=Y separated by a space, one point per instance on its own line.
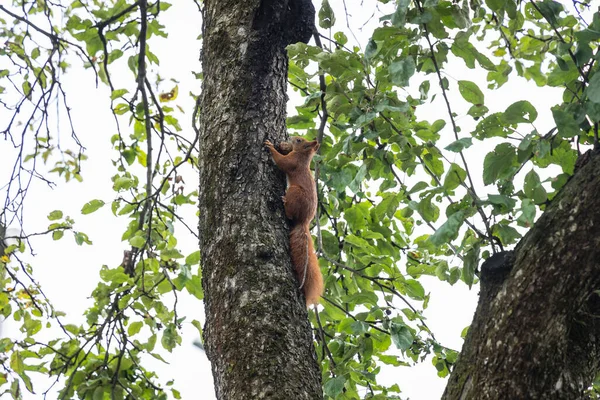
x=257 y=335
x=536 y=330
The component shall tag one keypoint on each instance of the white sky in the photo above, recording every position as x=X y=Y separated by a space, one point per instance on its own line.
x=68 y=273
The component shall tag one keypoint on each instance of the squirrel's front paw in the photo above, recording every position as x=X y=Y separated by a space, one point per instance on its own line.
x=268 y=143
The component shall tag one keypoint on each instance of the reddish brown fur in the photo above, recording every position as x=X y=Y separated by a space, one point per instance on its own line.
x=300 y=203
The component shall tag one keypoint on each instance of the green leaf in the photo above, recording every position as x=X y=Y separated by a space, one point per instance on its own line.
x=593 y=89
x=55 y=215
x=194 y=287
x=31 y=325
x=340 y=37
x=593 y=110
x=26 y=86
x=198 y=326
x=358 y=179
x=127 y=209
x=463 y=48
x=565 y=75
x=134 y=328
x=499 y=164
x=92 y=206
x=15 y=389
x=401 y=336
x=499 y=76
x=137 y=241
x=27 y=380
x=389 y=360
x=81 y=238
x=506 y=233
x=123 y=183
x=387 y=207
x=401 y=71
x=98 y=393
x=193 y=258
x=459 y=145
x=16 y=362
x=583 y=54
x=334 y=386
x=506 y=204
x=449 y=229
x=521 y=111
x=566 y=124
x=471 y=92
x=158 y=356
x=164 y=287
x=371 y=49
x=478 y=111
x=551 y=10
x=533 y=188
x=359 y=327
x=170 y=338
x=429 y=211
x=527 y=215
x=345 y=325
x=300 y=122
x=418 y=187
x=587 y=35
x=454 y=177
x=168 y=254
x=151 y=342
x=326 y=15
x=121 y=109
x=491 y=126
x=496 y=5
x=471 y=261
x=399 y=16
x=414 y=289
x=74 y=329
x=114 y=55
x=359 y=243
x=561 y=153
x=357 y=214
x=118 y=93
x=460 y=16
x=115 y=275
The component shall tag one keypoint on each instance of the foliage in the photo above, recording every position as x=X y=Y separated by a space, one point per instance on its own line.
x=386 y=175
x=131 y=311
x=398 y=199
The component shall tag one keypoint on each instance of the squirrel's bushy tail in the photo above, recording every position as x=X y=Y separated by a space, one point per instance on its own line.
x=306 y=264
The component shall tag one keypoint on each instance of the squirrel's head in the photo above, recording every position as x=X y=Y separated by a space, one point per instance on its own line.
x=302 y=145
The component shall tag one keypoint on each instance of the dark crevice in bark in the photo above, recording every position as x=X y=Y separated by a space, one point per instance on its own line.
x=494 y=272
x=292 y=21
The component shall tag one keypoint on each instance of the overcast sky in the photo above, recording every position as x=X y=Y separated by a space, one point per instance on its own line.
x=68 y=273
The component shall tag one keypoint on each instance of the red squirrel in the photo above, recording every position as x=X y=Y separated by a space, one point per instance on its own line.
x=300 y=202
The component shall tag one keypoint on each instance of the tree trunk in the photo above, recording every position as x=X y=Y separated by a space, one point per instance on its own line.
x=536 y=334
x=257 y=334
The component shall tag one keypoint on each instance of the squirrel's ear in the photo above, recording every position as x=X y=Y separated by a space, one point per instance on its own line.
x=315 y=145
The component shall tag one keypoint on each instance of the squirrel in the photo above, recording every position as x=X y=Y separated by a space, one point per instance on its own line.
x=300 y=202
